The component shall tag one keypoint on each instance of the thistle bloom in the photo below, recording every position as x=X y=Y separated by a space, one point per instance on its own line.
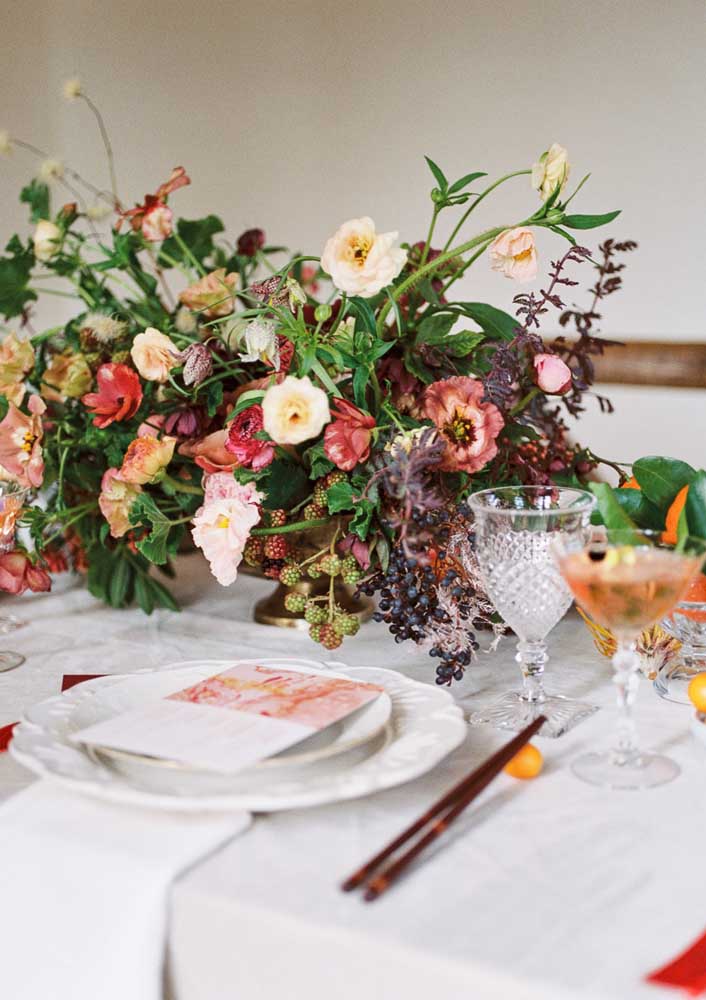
x=153 y=217
x=105 y=329
x=47 y=240
x=146 y=459
x=468 y=425
x=249 y=451
x=514 y=254
x=347 y=438
x=154 y=355
x=551 y=171
x=223 y=524
x=551 y=374
x=21 y=443
x=66 y=376
x=115 y=501
x=361 y=261
x=16 y=361
x=295 y=410
x=18 y=573
x=119 y=395
x=212 y=295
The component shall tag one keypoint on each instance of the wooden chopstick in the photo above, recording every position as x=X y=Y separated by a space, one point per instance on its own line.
x=455 y=801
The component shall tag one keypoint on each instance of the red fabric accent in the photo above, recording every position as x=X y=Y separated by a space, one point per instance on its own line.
x=67 y=681
x=6 y=736
x=687 y=971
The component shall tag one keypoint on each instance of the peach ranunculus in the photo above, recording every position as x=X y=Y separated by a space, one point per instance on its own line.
x=47 y=240
x=115 y=501
x=21 y=456
x=18 y=573
x=551 y=171
x=210 y=453
x=361 y=261
x=468 y=425
x=222 y=525
x=212 y=296
x=154 y=355
x=514 y=253
x=295 y=410
x=146 y=459
x=551 y=374
x=66 y=376
x=16 y=361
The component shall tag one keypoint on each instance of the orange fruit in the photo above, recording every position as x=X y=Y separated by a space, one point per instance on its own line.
x=631 y=484
x=669 y=536
x=697 y=692
x=528 y=762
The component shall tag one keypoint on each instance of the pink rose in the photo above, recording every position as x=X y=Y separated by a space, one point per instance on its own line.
x=514 y=254
x=551 y=374
x=222 y=525
x=468 y=425
x=347 y=438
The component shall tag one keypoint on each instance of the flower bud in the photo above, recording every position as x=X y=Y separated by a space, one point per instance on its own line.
x=551 y=374
x=198 y=364
x=322 y=312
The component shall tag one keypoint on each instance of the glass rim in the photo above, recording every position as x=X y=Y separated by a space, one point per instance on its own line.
x=585 y=501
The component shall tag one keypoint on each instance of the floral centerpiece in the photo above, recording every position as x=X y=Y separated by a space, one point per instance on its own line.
x=242 y=396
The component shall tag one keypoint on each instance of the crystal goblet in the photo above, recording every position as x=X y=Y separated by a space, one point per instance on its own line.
x=627 y=582
x=12 y=499
x=515 y=529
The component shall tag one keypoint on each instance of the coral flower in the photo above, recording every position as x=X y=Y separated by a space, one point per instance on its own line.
x=361 y=261
x=347 y=438
x=115 y=501
x=153 y=218
x=514 y=253
x=223 y=524
x=468 y=425
x=18 y=573
x=16 y=361
x=211 y=295
x=210 y=453
x=119 y=395
x=20 y=443
x=146 y=459
x=249 y=451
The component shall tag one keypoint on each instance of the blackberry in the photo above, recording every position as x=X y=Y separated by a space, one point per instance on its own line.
x=254 y=551
x=315 y=632
x=330 y=564
x=276 y=547
x=314 y=571
x=295 y=603
x=314 y=614
x=272 y=568
x=313 y=511
x=290 y=575
x=346 y=624
x=276 y=518
x=335 y=477
x=319 y=497
x=329 y=637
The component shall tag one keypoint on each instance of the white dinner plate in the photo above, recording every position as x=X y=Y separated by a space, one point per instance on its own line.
x=424 y=726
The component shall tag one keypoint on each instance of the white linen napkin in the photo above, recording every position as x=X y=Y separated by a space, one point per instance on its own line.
x=84 y=892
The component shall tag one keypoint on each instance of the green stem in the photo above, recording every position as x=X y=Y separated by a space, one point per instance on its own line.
x=38 y=338
x=518 y=407
x=179 y=486
x=187 y=253
x=319 y=522
x=478 y=200
x=432 y=226
x=462 y=270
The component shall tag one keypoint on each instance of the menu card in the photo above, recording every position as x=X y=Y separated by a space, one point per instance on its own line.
x=229 y=721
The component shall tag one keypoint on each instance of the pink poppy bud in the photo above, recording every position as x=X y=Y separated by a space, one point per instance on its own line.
x=551 y=374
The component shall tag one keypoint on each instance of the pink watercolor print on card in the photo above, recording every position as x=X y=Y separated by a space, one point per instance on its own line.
x=313 y=700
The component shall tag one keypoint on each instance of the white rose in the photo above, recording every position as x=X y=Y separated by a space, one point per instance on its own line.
x=47 y=239
x=260 y=342
x=551 y=171
x=361 y=261
x=295 y=410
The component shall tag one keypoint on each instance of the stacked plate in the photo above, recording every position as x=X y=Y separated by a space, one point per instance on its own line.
x=401 y=735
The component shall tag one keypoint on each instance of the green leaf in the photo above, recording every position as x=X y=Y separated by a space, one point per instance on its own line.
x=612 y=514
x=467 y=179
x=144 y=595
x=319 y=464
x=364 y=313
x=361 y=377
x=340 y=497
x=695 y=506
x=495 y=324
x=415 y=366
x=360 y=522
x=120 y=579
x=438 y=174
x=639 y=509
x=14 y=276
x=589 y=221
x=462 y=343
x=36 y=195
x=163 y=598
x=286 y=484
x=145 y=512
x=214 y=398
x=435 y=329
x=197 y=234
x=661 y=478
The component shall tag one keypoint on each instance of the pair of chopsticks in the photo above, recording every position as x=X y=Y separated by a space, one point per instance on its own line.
x=441 y=815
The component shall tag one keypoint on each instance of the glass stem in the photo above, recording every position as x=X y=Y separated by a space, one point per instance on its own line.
x=532 y=656
x=625 y=667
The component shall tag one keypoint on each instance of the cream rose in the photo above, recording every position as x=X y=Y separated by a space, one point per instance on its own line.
x=551 y=171
x=47 y=240
x=361 y=261
x=153 y=354
x=514 y=253
x=295 y=410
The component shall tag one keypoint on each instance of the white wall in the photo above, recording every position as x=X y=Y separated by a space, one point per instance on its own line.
x=295 y=116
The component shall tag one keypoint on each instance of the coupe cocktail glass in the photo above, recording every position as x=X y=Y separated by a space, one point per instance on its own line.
x=627 y=583
x=515 y=530
x=12 y=499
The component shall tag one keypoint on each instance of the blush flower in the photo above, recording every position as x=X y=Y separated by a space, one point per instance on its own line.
x=551 y=374
x=347 y=438
x=21 y=455
x=249 y=451
x=468 y=425
x=115 y=501
x=361 y=261
x=16 y=361
x=66 y=376
x=223 y=524
x=153 y=218
x=212 y=295
x=295 y=410
x=47 y=240
x=514 y=254
x=154 y=355
x=551 y=171
x=119 y=395
x=210 y=453
x=18 y=573
x=146 y=459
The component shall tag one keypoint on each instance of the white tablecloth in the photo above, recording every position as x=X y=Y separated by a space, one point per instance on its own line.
x=544 y=890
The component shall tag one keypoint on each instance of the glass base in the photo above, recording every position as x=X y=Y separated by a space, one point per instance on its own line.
x=8 y=623
x=8 y=661
x=514 y=712
x=672 y=682
x=606 y=770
